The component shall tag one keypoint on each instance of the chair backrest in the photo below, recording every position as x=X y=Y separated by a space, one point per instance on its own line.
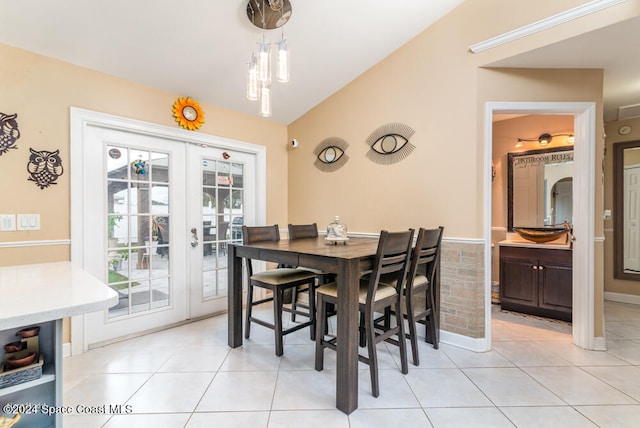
x=392 y=257
x=426 y=253
x=255 y=234
x=299 y=231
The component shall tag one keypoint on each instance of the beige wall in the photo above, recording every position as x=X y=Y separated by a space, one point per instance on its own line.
x=611 y=284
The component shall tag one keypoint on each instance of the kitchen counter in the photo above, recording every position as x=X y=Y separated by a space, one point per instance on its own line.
x=49 y=291
x=43 y=294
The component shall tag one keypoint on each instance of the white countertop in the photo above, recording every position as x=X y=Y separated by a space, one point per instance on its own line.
x=558 y=244
x=48 y=291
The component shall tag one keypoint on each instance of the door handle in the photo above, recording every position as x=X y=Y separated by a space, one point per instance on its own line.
x=194 y=237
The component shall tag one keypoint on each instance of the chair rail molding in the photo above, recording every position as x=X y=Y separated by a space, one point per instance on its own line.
x=38 y=243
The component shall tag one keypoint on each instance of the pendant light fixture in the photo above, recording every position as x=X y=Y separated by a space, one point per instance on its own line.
x=267 y=15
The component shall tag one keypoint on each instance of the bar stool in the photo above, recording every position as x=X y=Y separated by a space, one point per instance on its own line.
x=392 y=258
x=276 y=280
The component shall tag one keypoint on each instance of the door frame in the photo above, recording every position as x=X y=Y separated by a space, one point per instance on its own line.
x=583 y=202
x=81 y=119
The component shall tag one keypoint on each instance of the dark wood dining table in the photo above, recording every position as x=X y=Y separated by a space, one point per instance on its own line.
x=347 y=260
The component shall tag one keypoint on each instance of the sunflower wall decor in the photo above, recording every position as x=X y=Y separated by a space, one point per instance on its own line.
x=188 y=113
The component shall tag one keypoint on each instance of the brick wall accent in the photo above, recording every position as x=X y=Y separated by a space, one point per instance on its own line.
x=462 y=288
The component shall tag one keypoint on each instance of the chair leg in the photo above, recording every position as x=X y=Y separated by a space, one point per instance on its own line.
x=363 y=331
x=247 y=321
x=294 y=303
x=278 y=297
x=413 y=334
x=402 y=340
x=433 y=321
x=320 y=325
x=373 y=355
x=312 y=310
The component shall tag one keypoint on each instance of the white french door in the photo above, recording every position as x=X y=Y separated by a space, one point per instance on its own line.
x=157 y=217
x=220 y=198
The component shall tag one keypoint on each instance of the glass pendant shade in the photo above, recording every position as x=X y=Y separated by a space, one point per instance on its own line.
x=264 y=63
x=252 y=78
x=283 y=62
x=265 y=101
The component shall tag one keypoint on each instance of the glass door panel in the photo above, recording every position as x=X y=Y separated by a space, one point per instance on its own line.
x=137 y=229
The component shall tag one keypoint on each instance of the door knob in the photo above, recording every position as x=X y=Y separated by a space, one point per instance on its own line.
x=194 y=237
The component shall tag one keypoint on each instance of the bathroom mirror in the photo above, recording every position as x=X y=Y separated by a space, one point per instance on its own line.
x=540 y=187
x=626 y=208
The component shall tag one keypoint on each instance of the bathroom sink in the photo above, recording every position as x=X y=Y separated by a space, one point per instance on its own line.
x=540 y=234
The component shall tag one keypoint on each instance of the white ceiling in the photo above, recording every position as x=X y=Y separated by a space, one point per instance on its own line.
x=200 y=48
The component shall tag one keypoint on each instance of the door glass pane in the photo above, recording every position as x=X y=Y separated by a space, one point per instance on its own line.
x=208 y=172
x=222 y=204
x=159 y=167
x=138 y=222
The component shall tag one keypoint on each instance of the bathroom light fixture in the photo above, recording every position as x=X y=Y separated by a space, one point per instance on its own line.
x=545 y=139
x=267 y=15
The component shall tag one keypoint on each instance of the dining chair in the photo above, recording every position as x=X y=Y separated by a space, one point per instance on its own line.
x=277 y=281
x=392 y=258
x=302 y=231
x=421 y=278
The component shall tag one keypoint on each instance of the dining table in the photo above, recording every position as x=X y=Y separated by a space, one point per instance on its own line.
x=347 y=260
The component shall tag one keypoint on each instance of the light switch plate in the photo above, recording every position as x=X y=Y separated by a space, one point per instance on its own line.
x=28 y=221
x=7 y=222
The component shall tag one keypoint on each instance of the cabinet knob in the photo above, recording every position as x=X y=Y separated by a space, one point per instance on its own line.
x=535 y=267
x=541 y=267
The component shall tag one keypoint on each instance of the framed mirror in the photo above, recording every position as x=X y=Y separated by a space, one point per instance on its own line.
x=540 y=187
x=626 y=209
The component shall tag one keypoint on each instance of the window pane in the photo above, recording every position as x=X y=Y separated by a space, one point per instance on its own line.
x=208 y=172
x=117 y=162
x=160 y=167
x=139 y=165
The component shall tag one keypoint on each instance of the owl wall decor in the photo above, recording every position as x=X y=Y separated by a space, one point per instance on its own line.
x=9 y=132
x=45 y=167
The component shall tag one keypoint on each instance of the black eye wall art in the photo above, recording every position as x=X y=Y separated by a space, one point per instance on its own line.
x=9 y=132
x=330 y=154
x=45 y=167
x=390 y=143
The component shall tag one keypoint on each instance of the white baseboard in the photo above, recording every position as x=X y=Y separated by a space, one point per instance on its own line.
x=599 y=344
x=464 y=342
x=622 y=298
x=66 y=349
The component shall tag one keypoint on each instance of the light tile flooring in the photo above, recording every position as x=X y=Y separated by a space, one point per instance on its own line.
x=533 y=377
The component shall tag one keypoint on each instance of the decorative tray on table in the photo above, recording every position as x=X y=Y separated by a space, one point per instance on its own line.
x=336 y=239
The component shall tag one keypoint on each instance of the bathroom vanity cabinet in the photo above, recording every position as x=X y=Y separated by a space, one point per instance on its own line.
x=536 y=279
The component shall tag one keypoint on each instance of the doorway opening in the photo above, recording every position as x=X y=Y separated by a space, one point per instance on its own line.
x=583 y=291
x=532 y=188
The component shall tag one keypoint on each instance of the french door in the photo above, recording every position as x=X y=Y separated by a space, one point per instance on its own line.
x=220 y=198
x=158 y=217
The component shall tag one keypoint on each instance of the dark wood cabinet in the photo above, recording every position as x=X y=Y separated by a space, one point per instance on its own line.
x=536 y=281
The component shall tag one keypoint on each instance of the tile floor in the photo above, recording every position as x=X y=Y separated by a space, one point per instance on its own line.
x=533 y=377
